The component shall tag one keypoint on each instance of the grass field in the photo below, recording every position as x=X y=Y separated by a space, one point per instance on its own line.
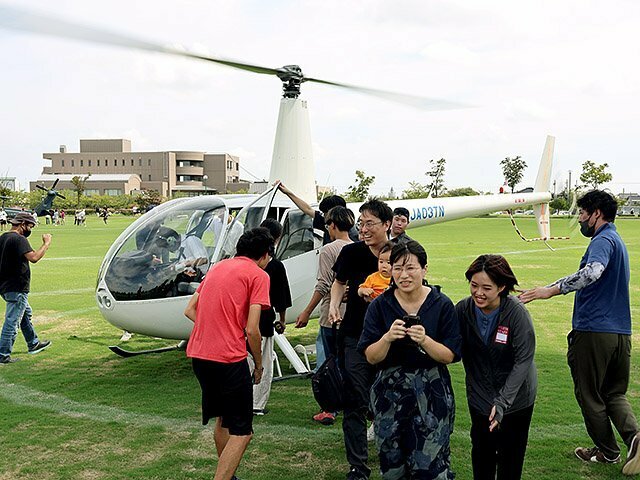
x=78 y=411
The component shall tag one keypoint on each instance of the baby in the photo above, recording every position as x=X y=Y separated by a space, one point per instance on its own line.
x=378 y=282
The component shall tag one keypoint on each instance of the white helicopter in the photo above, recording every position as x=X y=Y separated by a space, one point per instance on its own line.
x=151 y=270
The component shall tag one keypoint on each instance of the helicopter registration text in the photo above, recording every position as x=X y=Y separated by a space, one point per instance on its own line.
x=427 y=212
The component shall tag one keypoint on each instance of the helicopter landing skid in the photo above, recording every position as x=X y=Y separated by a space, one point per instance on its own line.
x=128 y=353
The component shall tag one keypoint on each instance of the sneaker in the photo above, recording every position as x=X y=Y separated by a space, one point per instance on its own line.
x=632 y=465
x=325 y=418
x=594 y=454
x=39 y=347
x=371 y=434
x=260 y=412
x=355 y=474
x=8 y=359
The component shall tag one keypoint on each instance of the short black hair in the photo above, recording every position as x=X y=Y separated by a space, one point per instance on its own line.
x=327 y=203
x=599 y=200
x=378 y=209
x=341 y=217
x=401 y=251
x=401 y=211
x=254 y=243
x=497 y=269
x=274 y=227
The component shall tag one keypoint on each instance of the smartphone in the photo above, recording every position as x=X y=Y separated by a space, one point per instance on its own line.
x=410 y=320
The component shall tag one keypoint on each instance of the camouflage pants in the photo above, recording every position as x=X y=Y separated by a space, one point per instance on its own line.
x=414 y=413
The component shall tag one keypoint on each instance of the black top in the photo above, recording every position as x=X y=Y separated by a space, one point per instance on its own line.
x=353 y=265
x=318 y=224
x=502 y=372
x=15 y=274
x=279 y=296
x=437 y=316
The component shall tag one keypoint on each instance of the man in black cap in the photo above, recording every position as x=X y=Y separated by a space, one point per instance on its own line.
x=15 y=276
x=399 y=224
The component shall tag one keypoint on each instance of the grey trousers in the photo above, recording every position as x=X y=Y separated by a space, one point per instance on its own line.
x=599 y=364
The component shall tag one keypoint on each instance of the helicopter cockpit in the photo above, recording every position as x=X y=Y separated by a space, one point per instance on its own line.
x=166 y=254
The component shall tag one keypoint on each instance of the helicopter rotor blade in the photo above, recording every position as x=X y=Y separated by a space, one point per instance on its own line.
x=42 y=188
x=424 y=103
x=27 y=21
x=60 y=195
x=53 y=187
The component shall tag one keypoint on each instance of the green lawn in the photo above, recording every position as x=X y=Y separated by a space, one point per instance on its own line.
x=79 y=411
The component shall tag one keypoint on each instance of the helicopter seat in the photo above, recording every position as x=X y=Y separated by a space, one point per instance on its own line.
x=188 y=288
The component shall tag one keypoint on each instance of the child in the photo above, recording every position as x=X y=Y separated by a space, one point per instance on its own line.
x=378 y=282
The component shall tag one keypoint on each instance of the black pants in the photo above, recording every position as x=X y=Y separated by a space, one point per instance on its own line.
x=599 y=364
x=502 y=450
x=358 y=378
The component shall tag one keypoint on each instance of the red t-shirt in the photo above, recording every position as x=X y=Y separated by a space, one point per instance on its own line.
x=225 y=295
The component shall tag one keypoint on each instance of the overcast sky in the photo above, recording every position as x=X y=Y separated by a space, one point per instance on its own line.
x=531 y=68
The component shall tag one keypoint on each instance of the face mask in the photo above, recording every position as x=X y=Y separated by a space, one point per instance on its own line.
x=25 y=232
x=586 y=230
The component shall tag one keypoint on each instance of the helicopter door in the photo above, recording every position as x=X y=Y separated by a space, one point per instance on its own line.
x=249 y=217
x=298 y=249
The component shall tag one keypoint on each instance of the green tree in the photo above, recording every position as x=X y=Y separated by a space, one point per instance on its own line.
x=436 y=175
x=360 y=190
x=79 y=186
x=415 y=190
x=461 y=192
x=512 y=169
x=148 y=198
x=594 y=175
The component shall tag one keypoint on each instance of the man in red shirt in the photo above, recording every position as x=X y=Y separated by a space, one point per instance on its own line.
x=226 y=312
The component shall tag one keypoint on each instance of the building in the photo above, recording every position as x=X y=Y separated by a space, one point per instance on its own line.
x=10 y=182
x=631 y=204
x=111 y=168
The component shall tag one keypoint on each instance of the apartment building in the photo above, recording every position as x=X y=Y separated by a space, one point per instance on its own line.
x=112 y=168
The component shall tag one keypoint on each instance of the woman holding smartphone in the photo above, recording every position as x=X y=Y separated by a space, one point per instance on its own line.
x=411 y=333
x=498 y=348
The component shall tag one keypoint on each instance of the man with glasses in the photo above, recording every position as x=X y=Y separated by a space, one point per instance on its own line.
x=355 y=262
x=15 y=277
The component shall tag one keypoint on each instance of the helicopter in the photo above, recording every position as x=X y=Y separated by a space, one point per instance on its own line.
x=42 y=209
x=152 y=269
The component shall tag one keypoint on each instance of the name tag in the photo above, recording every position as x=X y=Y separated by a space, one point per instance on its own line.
x=502 y=334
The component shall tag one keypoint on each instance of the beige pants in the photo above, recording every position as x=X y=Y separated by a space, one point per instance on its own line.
x=262 y=390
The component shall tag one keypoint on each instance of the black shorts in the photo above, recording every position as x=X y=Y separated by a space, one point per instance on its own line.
x=227 y=392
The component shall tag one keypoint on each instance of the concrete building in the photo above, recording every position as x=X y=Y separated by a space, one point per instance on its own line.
x=10 y=182
x=113 y=169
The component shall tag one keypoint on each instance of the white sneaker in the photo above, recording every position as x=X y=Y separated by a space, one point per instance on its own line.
x=371 y=435
x=125 y=336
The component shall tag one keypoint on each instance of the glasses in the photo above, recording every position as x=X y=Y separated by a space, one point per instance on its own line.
x=368 y=224
x=409 y=269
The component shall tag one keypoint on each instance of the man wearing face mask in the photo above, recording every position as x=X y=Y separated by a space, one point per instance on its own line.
x=15 y=276
x=600 y=340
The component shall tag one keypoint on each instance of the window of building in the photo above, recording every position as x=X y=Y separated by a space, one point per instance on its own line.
x=237 y=165
x=149 y=177
x=148 y=162
x=91 y=191
x=132 y=162
x=139 y=162
x=82 y=163
x=63 y=162
x=73 y=163
x=98 y=162
x=106 y=162
x=112 y=191
x=89 y=162
x=123 y=162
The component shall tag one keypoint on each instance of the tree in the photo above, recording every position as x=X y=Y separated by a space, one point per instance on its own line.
x=594 y=175
x=79 y=186
x=415 y=190
x=148 y=198
x=436 y=175
x=512 y=169
x=461 y=192
x=360 y=191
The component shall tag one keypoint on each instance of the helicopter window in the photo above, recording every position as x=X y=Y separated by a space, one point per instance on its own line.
x=297 y=236
x=167 y=254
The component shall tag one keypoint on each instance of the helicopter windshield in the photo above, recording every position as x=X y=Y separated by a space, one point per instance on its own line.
x=167 y=254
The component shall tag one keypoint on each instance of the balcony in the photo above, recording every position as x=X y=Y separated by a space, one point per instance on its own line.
x=192 y=171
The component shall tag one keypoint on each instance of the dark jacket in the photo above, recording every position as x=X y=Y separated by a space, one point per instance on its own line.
x=501 y=373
